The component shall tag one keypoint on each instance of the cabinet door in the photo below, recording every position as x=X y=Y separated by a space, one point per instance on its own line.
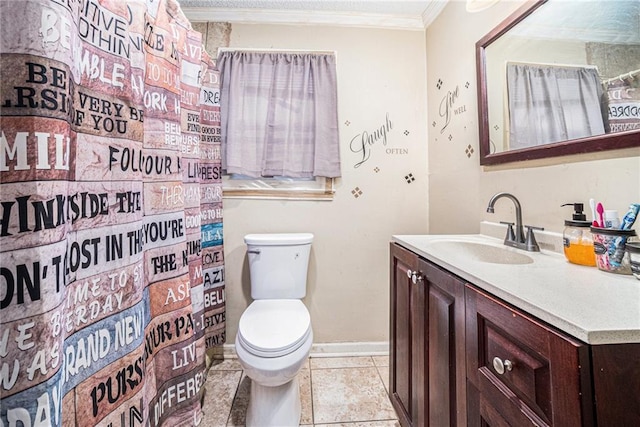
x=520 y=371
x=427 y=369
x=445 y=342
x=406 y=372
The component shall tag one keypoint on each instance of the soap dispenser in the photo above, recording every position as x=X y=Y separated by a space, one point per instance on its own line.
x=578 y=243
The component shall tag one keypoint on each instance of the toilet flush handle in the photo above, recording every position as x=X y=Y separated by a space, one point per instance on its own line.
x=253 y=251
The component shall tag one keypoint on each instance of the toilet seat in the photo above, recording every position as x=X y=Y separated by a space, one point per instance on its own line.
x=274 y=327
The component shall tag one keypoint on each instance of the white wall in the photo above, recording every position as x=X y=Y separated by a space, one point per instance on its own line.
x=380 y=72
x=459 y=188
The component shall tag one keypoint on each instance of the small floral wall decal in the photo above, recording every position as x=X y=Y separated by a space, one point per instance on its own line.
x=439 y=84
x=406 y=133
x=409 y=178
x=376 y=169
x=347 y=123
x=469 y=151
x=357 y=192
x=467 y=84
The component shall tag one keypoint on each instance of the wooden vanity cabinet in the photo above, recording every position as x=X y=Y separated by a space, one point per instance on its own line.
x=427 y=359
x=462 y=357
x=520 y=371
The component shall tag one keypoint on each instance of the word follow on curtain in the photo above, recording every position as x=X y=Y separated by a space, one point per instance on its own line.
x=279 y=114
x=111 y=258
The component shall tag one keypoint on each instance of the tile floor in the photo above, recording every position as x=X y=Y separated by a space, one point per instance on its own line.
x=335 y=392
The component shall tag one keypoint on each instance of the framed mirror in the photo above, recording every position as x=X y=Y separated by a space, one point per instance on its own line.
x=558 y=78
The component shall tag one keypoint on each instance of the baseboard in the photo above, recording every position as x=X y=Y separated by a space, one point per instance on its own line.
x=337 y=349
x=349 y=349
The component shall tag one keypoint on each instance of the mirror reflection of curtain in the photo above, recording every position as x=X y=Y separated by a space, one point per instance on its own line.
x=550 y=103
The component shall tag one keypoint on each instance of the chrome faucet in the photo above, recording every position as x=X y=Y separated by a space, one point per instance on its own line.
x=516 y=239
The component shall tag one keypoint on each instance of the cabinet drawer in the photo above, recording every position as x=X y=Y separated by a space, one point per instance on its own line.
x=531 y=374
x=506 y=362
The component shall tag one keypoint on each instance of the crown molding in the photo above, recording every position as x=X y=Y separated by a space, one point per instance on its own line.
x=298 y=17
x=432 y=11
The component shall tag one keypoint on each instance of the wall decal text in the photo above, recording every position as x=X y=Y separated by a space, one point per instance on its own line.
x=361 y=143
x=448 y=107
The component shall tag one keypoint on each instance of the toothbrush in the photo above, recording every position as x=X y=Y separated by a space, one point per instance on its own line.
x=600 y=210
x=630 y=217
x=592 y=205
x=617 y=247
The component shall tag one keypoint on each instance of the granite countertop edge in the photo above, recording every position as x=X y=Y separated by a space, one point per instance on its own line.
x=592 y=306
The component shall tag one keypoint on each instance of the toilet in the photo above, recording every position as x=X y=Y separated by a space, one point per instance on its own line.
x=274 y=335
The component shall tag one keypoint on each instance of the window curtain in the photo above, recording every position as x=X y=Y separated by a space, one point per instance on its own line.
x=112 y=285
x=279 y=114
x=553 y=103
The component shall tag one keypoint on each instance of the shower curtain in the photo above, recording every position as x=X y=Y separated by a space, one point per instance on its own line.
x=624 y=102
x=111 y=259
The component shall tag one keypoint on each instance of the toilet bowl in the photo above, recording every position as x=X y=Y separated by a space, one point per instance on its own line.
x=273 y=342
x=274 y=334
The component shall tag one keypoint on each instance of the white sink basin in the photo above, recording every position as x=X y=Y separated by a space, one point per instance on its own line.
x=483 y=252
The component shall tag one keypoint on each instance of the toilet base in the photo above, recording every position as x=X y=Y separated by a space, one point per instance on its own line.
x=274 y=406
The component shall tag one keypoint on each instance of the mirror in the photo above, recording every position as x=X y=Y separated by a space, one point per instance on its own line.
x=558 y=78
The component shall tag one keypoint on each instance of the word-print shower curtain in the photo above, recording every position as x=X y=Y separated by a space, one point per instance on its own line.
x=111 y=285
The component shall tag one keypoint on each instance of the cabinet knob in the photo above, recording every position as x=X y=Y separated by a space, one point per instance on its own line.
x=501 y=366
x=417 y=277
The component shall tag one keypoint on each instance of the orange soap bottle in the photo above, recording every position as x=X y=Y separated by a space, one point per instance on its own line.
x=577 y=239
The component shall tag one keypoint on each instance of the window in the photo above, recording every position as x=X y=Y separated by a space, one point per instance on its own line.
x=245 y=187
x=279 y=123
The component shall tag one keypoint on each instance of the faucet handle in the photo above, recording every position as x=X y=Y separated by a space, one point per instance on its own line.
x=530 y=243
x=511 y=236
x=533 y=227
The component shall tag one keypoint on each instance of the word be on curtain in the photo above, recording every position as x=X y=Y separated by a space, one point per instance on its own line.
x=112 y=270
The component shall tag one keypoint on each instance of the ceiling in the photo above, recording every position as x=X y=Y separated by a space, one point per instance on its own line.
x=612 y=21
x=406 y=14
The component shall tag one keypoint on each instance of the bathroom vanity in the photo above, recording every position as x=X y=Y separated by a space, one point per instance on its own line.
x=486 y=335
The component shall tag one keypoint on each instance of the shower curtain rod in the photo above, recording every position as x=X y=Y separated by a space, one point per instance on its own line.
x=544 y=64
x=622 y=76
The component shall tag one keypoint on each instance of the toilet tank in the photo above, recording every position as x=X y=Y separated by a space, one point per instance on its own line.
x=278 y=264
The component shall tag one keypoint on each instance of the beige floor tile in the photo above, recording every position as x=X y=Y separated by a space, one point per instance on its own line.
x=348 y=395
x=240 y=403
x=228 y=364
x=220 y=387
x=340 y=362
x=304 y=377
x=381 y=360
x=384 y=375
x=389 y=423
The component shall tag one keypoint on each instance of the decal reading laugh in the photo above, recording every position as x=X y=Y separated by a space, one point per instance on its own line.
x=362 y=142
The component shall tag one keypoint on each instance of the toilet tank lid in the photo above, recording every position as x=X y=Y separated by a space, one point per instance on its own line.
x=277 y=239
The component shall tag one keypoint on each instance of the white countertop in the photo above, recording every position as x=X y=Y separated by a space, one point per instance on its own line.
x=591 y=305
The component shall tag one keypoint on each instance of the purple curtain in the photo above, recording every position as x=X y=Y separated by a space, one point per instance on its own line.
x=553 y=103
x=279 y=114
